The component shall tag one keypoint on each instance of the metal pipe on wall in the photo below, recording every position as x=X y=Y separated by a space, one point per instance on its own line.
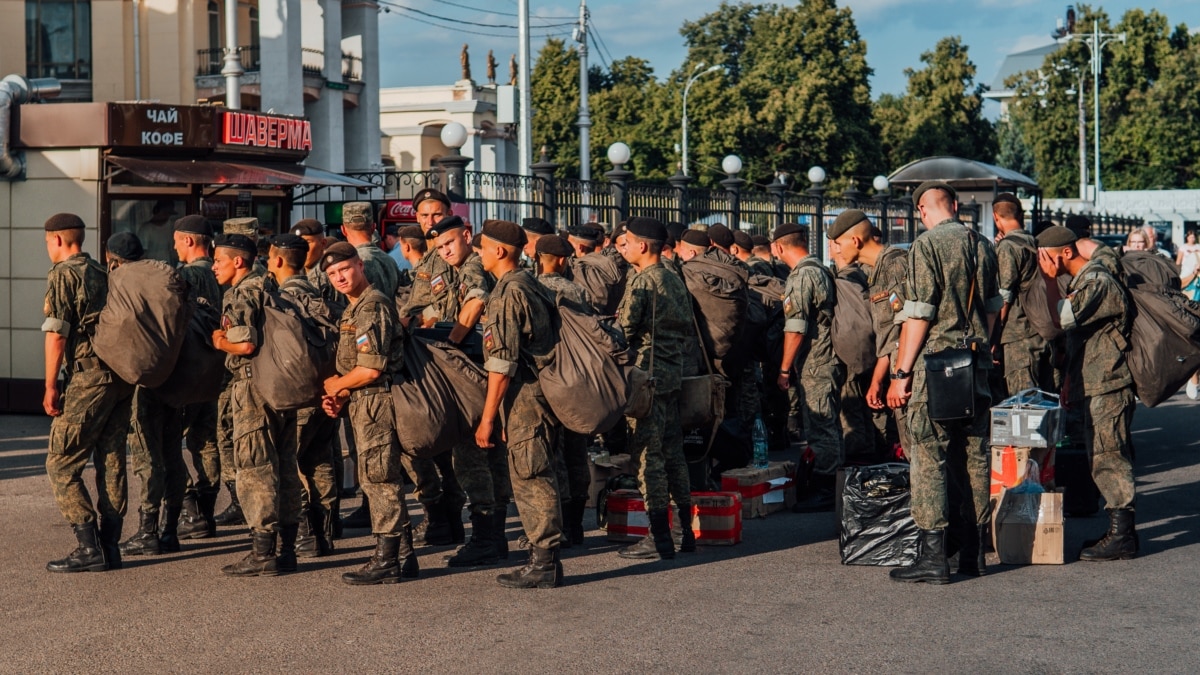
x=137 y=50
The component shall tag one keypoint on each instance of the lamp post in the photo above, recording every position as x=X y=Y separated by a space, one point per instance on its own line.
x=732 y=166
x=883 y=194
x=454 y=136
x=618 y=154
x=816 y=176
x=1095 y=42
x=687 y=89
x=1083 y=168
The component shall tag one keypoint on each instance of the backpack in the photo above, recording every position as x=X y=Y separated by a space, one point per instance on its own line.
x=1035 y=304
x=853 y=327
x=601 y=279
x=764 y=318
x=1164 y=339
x=141 y=329
x=200 y=370
x=299 y=341
x=438 y=398
x=720 y=298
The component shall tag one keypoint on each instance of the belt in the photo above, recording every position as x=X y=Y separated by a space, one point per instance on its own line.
x=242 y=373
x=90 y=363
x=386 y=386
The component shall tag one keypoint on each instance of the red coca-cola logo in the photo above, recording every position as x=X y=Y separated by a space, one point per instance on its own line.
x=400 y=211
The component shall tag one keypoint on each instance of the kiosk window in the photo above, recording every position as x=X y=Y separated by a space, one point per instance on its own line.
x=58 y=39
x=152 y=220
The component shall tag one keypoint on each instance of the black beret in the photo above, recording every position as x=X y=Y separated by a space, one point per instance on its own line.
x=586 y=233
x=336 y=253
x=760 y=240
x=504 y=231
x=933 y=185
x=1080 y=225
x=537 y=226
x=674 y=232
x=308 y=226
x=743 y=240
x=126 y=246
x=289 y=242
x=430 y=193
x=1055 y=237
x=237 y=242
x=444 y=225
x=410 y=232
x=789 y=228
x=63 y=221
x=1007 y=198
x=552 y=244
x=695 y=238
x=845 y=220
x=392 y=229
x=720 y=235
x=194 y=224
x=649 y=229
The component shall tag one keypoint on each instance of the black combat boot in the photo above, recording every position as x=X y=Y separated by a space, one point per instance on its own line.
x=930 y=565
x=573 y=520
x=145 y=540
x=657 y=544
x=406 y=557
x=232 y=515
x=544 y=570
x=564 y=508
x=972 y=561
x=453 y=512
x=1119 y=543
x=820 y=495
x=306 y=541
x=313 y=540
x=198 y=521
x=382 y=568
x=500 y=531
x=168 y=538
x=260 y=561
x=285 y=561
x=87 y=557
x=360 y=518
x=110 y=540
x=434 y=529
x=480 y=549
x=687 y=540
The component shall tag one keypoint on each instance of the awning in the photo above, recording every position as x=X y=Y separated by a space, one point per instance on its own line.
x=961 y=174
x=219 y=172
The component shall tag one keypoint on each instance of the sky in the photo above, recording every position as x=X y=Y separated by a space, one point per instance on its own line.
x=896 y=32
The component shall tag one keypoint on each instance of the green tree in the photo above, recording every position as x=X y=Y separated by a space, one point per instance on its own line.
x=1012 y=152
x=629 y=107
x=555 y=98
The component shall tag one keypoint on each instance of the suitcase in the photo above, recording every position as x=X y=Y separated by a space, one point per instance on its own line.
x=1073 y=473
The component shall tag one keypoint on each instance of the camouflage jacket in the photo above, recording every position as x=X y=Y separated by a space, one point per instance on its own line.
x=380 y=269
x=1096 y=318
x=1017 y=264
x=885 y=288
x=201 y=280
x=808 y=299
x=370 y=335
x=471 y=283
x=242 y=317
x=76 y=291
x=564 y=288
x=432 y=277
x=520 y=327
x=655 y=315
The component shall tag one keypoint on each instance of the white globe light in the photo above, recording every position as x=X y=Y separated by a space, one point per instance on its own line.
x=816 y=175
x=732 y=164
x=454 y=135
x=880 y=183
x=618 y=153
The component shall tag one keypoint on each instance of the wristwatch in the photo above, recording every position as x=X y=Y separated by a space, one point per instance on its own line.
x=902 y=374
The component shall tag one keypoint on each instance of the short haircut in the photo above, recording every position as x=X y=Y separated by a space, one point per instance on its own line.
x=654 y=247
x=71 y=237
x=292 y=257
x=1009 y=211
x=417 y=244
x=793 y=240
x=202 y=240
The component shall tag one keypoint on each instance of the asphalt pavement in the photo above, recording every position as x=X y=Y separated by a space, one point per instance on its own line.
x=778 y=602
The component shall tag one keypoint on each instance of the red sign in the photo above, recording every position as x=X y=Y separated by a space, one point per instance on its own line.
x=399 y=212
x=265 y=131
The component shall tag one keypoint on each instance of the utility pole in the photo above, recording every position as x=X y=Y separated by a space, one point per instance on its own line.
x=233 y=63
x=1095 y=42
x=1083 y=169
x=585 y=117
x=525 y=130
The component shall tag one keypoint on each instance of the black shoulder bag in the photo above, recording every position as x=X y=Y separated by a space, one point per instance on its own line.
x=950 y=373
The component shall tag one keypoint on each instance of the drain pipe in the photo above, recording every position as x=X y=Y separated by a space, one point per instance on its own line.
x=15 y=90
x=137 y=50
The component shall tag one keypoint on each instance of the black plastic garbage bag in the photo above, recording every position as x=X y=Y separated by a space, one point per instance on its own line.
x=876 y=516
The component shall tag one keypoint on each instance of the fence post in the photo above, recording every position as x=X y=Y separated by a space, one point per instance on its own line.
x=619 y=178
x=778 y=191
x=733 y=185
x=680 y=183
x=885 y=225
x=456 y=175
x=911 y=210
x=853 y=194
x=817 y=231
x=544 y=170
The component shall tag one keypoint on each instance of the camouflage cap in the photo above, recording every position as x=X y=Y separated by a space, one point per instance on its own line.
x=357 y=213
x=243 y=226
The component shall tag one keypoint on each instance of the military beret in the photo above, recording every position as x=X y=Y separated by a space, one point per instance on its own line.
x=430 y=193
x=237 y=242
x=537 y=226
x=552 y=244
x=63 y=221
x=289 y=242
x=742 y=239
x=338 y=252
x=696 y=238
x=933 y=185
x=410 y=232
x=617 y=231
x=308 y=226
x=720 y=235
x=787 y=229
x=845 y=220
x=760 y=240
x=357 y=213
x=194 y=224
x=1055 y=237
x=674 y=232
x=1080 y=225
x=243 y=226
x=649 y=229
x=126 y=246
x=504 y=231
x=1007 y=198
x=585 y=232
x=444 y=225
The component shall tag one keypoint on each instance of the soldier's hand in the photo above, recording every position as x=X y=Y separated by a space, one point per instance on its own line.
x=784 y=382
x=483 y=434
x=52 y=402
x=332 y=405
x=899 y=392
x=875 y=395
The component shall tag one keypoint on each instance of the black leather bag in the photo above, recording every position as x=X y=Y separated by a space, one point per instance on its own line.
x=950 y=382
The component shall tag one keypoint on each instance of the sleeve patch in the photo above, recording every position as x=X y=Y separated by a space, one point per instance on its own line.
x=437 y=284
x=895 y=301
x=488 y=342
x=363 y=343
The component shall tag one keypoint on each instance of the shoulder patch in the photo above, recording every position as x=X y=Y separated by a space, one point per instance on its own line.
x=437 y=284
x=881 y=296
x=363 y=343
x=488 y=342
x=423 y=276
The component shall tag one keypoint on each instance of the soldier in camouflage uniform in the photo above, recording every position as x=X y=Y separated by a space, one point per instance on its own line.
x=952 y=299
x=369 y=351
x=518 y=340
x=1095 y=315
x=433 y=275
x=91 y=411
x=1026 y=353
x=656 y=317
x=358 y=226
x=808 y=299
x=264 y=440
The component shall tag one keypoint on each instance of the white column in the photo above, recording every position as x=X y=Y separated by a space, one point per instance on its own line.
x=326 y=112
x=279 y=36
x=360 y=18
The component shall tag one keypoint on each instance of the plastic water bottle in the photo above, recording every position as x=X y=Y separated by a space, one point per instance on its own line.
x=760 y=443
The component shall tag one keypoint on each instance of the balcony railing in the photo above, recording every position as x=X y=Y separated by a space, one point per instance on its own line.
x=312 y=62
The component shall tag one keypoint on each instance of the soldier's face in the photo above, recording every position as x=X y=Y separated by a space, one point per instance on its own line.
x=454 y=246
x=224 y=266
x=316 y=247
x=429 y=212
x=347 y=276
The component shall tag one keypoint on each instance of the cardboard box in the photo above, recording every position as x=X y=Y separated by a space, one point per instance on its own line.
x=1009 y=465
x=1027 y=529
x=763 y=491
x=627 y=518
x=602 y=467
x=1031 y=419
x=717 y=518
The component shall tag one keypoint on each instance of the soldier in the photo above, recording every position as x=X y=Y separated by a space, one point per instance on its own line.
x=594 y=270
x=264 y=440
x=656 y=318
x=692 y=243
x=762 y=251
x=518 y=341
x=952 y=299
x=1095 y=315
x=358 y=226
x=743 y=244
x=91 y=411
x=669 y=258
x=312 y=231
x=369 y=352
x=1026 y=354
x=432 y=275
x=535 y=228
x=1090 y=248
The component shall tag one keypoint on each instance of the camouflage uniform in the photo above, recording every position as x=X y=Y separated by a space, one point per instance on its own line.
x=95 y=403
x=264 y=440
x=200 y=419
x=380 y=269
x=433 y=277
x=604 y=282
x=858 y=438
x=808 y=300
x=885 y=289
x=574 y=476
x=224 y=405
x=1026 y=353
x=1096 y=318
x=656 y=315
x=759 y=266
x=950 y=456
x=154 y=437
x=518 y=340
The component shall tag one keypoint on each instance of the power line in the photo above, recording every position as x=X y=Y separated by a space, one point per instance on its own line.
x=457 y=29
x=491 y=11
x=598 y=52
x=593 y=31
x=464 y=21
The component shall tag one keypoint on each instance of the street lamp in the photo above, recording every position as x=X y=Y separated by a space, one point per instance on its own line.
x=882 y=192
x=816 y=176
x=1095 y=42
x=454 y=136
x=1083 y=170
x=686 y=89
x=618 y=154
x=732 y=166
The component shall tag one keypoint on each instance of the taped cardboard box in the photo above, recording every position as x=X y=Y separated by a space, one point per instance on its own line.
x=763 y=491
x=1009 y=465
x=627 y=518
x=603 y=466
x=1027 y=528
x=1031 y=419
x=717 y=518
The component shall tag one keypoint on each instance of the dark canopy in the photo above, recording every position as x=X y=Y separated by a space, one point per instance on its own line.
x=962 y=174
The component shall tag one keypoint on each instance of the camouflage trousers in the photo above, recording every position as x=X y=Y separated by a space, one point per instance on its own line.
x=822 y=388
x=1027 y=365
x=315 y=459
x=225 y=436
x=433 y=478
x=1109 y=445
x=858 y=424
x=950 y=467
x=530 y=428
x=94 y=424
x=656 y=446
x=571 y=465
x=379 y=475
x=155 y=434
x=483 y=475
x=264 y=454
x=200 y=436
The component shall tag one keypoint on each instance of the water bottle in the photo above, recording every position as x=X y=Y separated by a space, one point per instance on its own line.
x=760 y=443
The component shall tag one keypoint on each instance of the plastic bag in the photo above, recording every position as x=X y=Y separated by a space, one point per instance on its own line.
x=1032 y=484
x=876 y=516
